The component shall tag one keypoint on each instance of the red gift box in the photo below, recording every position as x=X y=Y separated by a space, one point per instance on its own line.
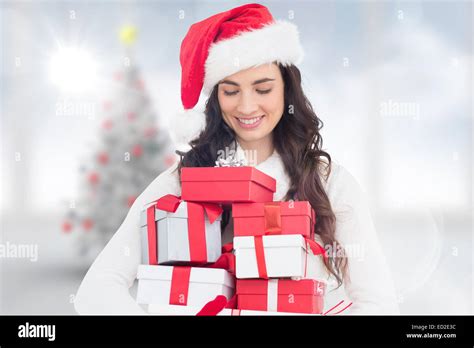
x=281 y=295
x=226 y=185
x=254 y=219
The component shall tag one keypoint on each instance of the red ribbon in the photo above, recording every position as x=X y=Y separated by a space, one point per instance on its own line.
x=152 y=236
x=180 y=286
x=227 y=248
x=226 y=260
x=168 y=203
x=316 y=248
x=196 y=226
x=214 y=307
x=260 y=253
x=272 y=216
x=340 y=311
x=196 y=233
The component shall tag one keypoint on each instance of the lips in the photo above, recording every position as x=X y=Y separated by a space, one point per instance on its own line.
x=250 y=122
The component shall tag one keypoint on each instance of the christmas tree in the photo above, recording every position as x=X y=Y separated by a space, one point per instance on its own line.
x=131 y=151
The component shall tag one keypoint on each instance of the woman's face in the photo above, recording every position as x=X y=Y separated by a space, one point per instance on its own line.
x=252 y=101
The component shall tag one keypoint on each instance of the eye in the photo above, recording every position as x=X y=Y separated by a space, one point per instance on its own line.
x=266 y=91
x=231 y=93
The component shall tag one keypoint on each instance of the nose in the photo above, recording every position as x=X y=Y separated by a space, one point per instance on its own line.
x=247 y=105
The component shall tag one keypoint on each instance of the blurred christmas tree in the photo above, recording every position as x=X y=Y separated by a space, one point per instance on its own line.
x=131 y=151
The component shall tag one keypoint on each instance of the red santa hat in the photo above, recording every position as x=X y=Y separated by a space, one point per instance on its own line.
x=234 y=40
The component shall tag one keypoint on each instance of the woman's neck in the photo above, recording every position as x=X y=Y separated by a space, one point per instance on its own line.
x=259 y=150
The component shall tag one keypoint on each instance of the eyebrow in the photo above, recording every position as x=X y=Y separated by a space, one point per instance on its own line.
x=229 y=82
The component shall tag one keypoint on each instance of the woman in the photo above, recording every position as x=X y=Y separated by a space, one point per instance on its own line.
x=257 y=112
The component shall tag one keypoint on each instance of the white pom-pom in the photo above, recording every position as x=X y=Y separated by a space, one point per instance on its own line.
x=187 y=125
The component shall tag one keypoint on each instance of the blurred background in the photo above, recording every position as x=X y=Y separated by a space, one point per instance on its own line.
x=89 y=92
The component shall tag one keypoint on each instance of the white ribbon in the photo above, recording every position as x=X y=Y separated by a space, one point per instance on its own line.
x=272 y=295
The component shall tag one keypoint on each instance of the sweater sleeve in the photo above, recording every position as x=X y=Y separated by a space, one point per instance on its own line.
x=105 y=288
x=368 y=283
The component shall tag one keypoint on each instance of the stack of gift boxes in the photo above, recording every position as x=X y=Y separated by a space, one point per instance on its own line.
x=274 y=265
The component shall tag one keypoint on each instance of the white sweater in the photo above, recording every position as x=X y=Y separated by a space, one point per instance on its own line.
x=368 y=284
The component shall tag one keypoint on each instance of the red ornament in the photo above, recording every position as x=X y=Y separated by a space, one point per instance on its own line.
x=103 y=158
x=87 y=224
x=107 y=124
x=140 y=84
x=131 y=200
x=93 y=178
x=107 y=105
x=118 y=76
x=170 y=160
x=66 y=227
x=150 y=132
x=131 y=116
x=137 y=150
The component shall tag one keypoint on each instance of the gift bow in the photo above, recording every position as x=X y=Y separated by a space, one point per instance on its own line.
x=272 y=217
x=230 y=162
x=196 y=226
x=226 y=260
x=170 y=203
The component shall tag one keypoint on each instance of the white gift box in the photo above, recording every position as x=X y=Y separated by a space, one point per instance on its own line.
x=157 y=309
x=172 y=236
x=154 y=285
x=286 y=256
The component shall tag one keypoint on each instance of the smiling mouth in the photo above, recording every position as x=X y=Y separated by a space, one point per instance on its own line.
x=249 y=121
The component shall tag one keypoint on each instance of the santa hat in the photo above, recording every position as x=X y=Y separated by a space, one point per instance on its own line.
x=234 y=40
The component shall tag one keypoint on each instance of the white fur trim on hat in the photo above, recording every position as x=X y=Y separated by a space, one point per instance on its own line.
x=277 y=41
x=187 y=125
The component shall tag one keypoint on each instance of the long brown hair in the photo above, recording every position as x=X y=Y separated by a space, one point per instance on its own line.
x=298 y=141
